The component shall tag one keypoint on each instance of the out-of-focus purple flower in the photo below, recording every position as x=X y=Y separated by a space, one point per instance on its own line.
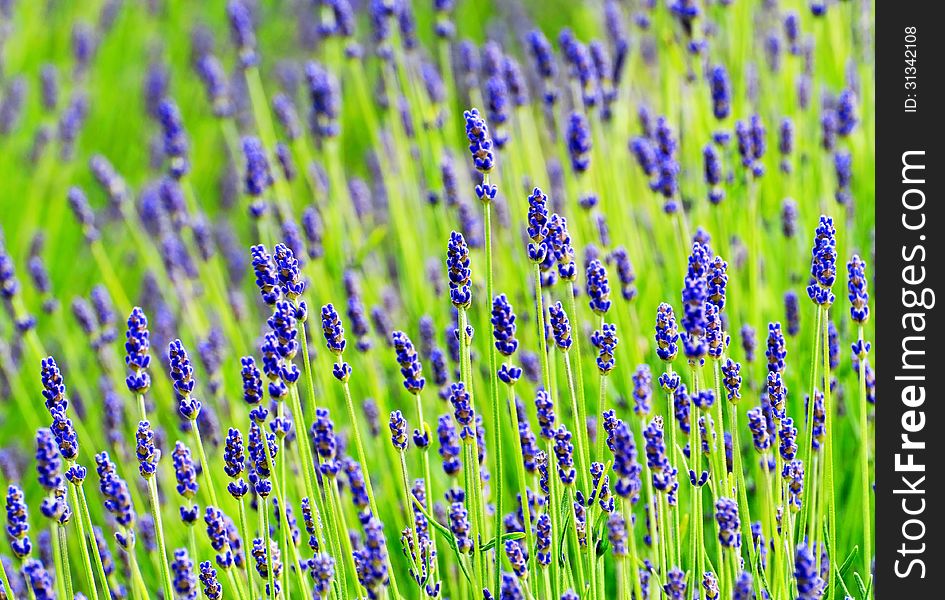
x=579 y=142
x=258 y=177
x=721 y=89
x=242 y=32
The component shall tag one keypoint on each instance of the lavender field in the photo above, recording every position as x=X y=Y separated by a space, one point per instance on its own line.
x=499 y=299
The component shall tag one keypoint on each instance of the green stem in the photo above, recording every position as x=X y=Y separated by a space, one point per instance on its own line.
x=247 y=543
x=57 y=557
x=575 y=539
x=807 y=522
x=159 y=531
x=99 y=567
x=136 y=577
x=580 y=426
x=341 y=541
x=497 y=420
x=207 y=469
x=865 y=463
x=474 y=487
x=828 y=451
x=580 y=416
x=66 y=574
x=520 y=468
x=359 y=447
x=270 y=574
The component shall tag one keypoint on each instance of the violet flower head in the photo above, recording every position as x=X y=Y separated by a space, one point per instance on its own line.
x=655 y=447
x=667 y=335
x=579 y=142
x=79 y=205
x=792 y=313
x=598 y=287
x=543 y=540
x=617 y=534
x=234 y=456
x=605 y=340
x=645 y=155
x=66 y=438
x=759 y=429
x=789 y=217
x=409 y=362
x=48 y=461
x=642 y=390
x=148 y=455
x=560 y=326
x=186 y=474
x=496 y=93
x=208 y=578
x=462 y=411
x=810 y=584
x=216 y=85
x=546 y=413
x=333 y=330
x=449 y=445
x=459 y=274
x=184 y=579
x=712 y=165
x=847 y=117
x=732 y=380
x=711 y=585
x=503 y=326
x=537 y=227
x=786 y=143
x=777 y=394
x=322 y=569
x=544 y=61
x=716 y=339
x=117 y=497
x=252 y=381
x=480 y=142
x=324 y=441
x=682 y=406
x=54 y=388
x=776 y=351
x=176 y=144
x=516 y=557
x=371 y=559
x=717 y=279
x=675 y=586
x=324 y=98
x=18 y=525
x=694 y=298
x=560 y=242
x=787 y=436
x=288 y=271
x=626 y=468
x=182 y=374
x=793 y=475
x=625 y=273
x=726 y=516
x=858 y=292
x=258 y=176
x=721 y=89
x=823 y=263
x=564 y=454
x=242 y=33
x=744 y=587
